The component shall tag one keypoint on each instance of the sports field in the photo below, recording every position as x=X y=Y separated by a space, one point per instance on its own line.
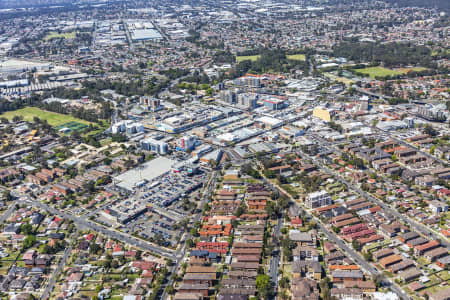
x=54 y=119
x=378 y=72
x=247 y=57
x=73 y=126
x=64 y=35
x=296 y=57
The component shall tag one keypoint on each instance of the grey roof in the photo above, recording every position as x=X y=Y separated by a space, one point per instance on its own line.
x=300 y=236
x=232 y=297
x=298 y=265
x=418 y=241
x=444 y=260
x=199 y=276
x=409 y=235
x=410 y=274
x=347 y=274
x=194 y=286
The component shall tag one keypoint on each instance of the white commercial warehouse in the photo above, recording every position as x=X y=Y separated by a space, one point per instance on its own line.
x=147 y=171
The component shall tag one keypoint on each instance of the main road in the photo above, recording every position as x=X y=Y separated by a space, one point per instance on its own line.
x=85 y=223
x=346 y=249
x=417 y=226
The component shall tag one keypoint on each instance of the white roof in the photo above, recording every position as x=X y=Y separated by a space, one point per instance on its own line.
x=318 y=193
x=384 y=296
x=269 y=120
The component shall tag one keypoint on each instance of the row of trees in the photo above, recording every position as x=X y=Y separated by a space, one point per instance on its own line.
x=391 y=54
x=269 y=61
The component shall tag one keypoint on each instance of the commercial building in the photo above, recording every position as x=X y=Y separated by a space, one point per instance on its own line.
x=128 y=126
x=186 y=143
x=322 y=113
x=247 y=100
x=159 y=147
x=249 y=81
x=150 y=103
x=227 y=96
x=431 y=114
x=274 y=103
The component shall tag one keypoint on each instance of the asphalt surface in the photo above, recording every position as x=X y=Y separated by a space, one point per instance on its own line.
x=85 y=223
x=181 y=252
x=275 y=260
x=415 y=225
x=7 y=214
x=47 y=292
x=410 y=146
x=346 y=249
x=274 y=263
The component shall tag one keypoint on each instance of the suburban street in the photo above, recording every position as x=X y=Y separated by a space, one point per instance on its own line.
x=275 y=261
x=113 y=234
x=346 y=249
x=51 y=284
x=415 y=225
x=7 y=213
x=181 y=252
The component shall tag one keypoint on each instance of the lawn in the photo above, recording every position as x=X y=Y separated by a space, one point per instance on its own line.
x=56 y=35
x=422 y=261
x=247 y=57
x=378 y=72
x=435 y=289
x=54 y=119
x=296 y=57
x=444 y=275
x=344 y=80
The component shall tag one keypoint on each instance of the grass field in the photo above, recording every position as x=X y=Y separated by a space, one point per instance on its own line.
x=378 y=72
x=344 y=80
x=64 y=35
x=296 y=57
x=54 y=119
x=248 y=57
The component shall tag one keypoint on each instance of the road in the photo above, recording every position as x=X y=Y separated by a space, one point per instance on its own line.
x=415 y=225
x=51 y=284
x=113 y=234
x=11 y=209
x=275 y=260
x=346 y=249
x=274 y=263
x=181 y=252
x=426 y=154
x=362 y=91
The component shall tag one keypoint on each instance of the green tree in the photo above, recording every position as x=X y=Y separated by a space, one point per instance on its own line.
x=356 y=245
x=263 y=285
x=29 y=241
x=44 y=249
x=26 y=228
